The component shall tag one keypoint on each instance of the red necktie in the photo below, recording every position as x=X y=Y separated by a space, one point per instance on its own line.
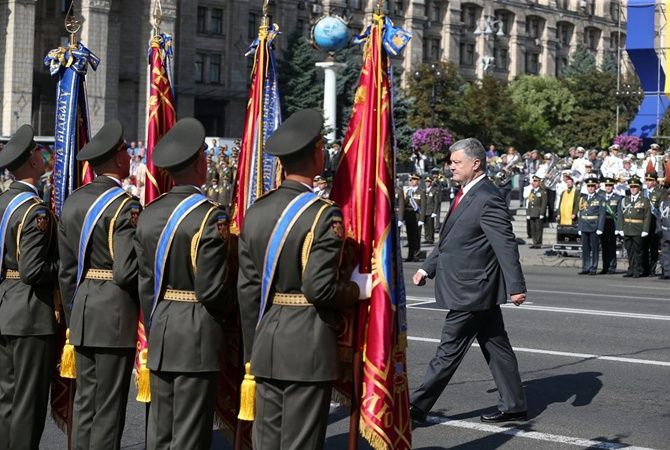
x=457 y=200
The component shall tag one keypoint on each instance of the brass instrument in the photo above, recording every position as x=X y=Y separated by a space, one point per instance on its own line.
x=555 y=171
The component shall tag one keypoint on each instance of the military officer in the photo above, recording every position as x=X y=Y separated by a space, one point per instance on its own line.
x=412 y=205
x=633 y=224
x=431 y=215
x=98 y=281
x=652 y=243
x=608 y=238
x=536 y=207
x=182 y=293
x=28 y=276
x=289 y=321
x=664 y=226
x=591 y=224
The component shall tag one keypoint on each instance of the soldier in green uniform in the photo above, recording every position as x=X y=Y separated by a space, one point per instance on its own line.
x=181 y=243
x=28 y=275
x=289 y=321
x=633 y=224
x=98 y=281
x=535 y=208
x=412 y=205
x=431 y=215
x=612 y=203
x=651 y=244
x=591 y=225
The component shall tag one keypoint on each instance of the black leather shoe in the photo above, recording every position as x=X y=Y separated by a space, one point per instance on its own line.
x=418 y=416
x=500 y=416
x=664 y=277
x=603 y=272
x=611 y=272
x=592 y=273
x=627 y=275
x=583 y=272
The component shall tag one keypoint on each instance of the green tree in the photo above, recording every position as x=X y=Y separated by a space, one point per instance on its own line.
x=298 y=76
x=610 y=64
x=403 y=106
x=347 y=82
x=582 y=62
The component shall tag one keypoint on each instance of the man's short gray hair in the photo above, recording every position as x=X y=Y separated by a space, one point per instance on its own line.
x=471 y=147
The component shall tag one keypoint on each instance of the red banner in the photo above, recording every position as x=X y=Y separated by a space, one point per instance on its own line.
x=364 y=189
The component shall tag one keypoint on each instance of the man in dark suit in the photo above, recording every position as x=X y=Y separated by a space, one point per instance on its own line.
x=28 y=275
x=183 y=295
x=100 y=290
x=289 y=330
x=472 y=284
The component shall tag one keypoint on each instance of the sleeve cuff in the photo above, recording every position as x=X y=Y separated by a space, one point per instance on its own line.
x=423 y=272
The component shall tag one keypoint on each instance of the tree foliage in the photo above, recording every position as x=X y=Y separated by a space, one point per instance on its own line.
x=582 y=62
x=298 y=76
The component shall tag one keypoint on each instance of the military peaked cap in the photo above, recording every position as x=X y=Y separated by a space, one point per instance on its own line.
x=180 y=144
x=17 y=150
x=651 y=176
x=104 y=144
x=635 y=181
x=295 y=134
x=609 y=181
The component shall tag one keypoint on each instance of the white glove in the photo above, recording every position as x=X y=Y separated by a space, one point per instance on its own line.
x=579 y=233
x=433 y=216
x=400 y=224
x=619 y=232
x=598 y=232
x=364 y=283
x=420 y=223
x=541 y=217
x=528 y=217
x=644 y=234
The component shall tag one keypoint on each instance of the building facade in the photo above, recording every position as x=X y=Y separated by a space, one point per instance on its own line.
x=505 y=38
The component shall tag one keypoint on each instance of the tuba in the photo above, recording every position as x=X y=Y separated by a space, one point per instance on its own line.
x=554 y=173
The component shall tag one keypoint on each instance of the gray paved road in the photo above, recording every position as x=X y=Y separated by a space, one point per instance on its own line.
x=594 y=353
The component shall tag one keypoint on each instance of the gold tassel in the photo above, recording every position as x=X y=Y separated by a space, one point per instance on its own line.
x=248 y=395
x=142 y=380
x=67 y=363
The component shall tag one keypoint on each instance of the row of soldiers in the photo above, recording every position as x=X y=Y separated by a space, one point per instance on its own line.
x=642 y=221
x=419 y=207
x=115 y=262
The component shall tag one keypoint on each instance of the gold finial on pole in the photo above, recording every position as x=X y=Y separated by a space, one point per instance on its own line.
x=157 y=17
x=380 y=7
x=72 y=24
x=266 y=19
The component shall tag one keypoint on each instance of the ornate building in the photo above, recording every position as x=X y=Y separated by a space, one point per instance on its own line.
x=506 y=38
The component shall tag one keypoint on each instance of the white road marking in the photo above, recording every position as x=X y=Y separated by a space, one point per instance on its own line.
x=536 y=435
x=588 y=294
x=528 y=306
x=666 y=289
x=648 y=362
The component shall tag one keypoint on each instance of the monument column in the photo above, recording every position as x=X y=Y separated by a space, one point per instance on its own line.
x=330 y=69
x=18 y=18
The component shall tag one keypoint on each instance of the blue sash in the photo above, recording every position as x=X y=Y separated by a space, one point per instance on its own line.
x=284 y=225
x=182 y=210
x=4 y=223
x=90 y=220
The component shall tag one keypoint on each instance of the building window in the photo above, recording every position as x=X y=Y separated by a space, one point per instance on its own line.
x=467 y=54
x=501 y=58
x=591 y=38
x=564 y=33
x=533 y=27
x=214 y=68
x=561 y=64
x=615 y=10
x=563 y=4
x=506 y=20
x=469 y=16
x=199 y=67
x=202 y=19
x=355 y=4
x=532 y=63
x=434 y=12
x=216 y=21
x=435 y=49
x=300 y=26
x=398 y=7
x=252 y=25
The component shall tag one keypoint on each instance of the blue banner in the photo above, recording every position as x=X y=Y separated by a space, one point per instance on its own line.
x=72 y=122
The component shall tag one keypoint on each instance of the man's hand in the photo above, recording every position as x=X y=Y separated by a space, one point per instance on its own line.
x=644 y=234
x=420 y=223
x=400 y=224
x=419 y=278
x=433 y=216
x=579 y=233
x=364 y=283
x=599 y=232
x=518 y=299
x=541 y=217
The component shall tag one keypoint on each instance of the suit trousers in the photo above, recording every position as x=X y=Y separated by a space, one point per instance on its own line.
x=608 y=244
x=290 y=415
x=633 y=245
x=181 y=414
x=590 y=251
x=665 y=257
x=103 y=379
x=429 y=224
x=650 y=245
x=550 y=216
x=26 y=366
x=536 y=230
x=460 y=329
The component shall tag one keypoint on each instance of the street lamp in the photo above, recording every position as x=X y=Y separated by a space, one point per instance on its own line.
x=437 y=73
x=489 y=25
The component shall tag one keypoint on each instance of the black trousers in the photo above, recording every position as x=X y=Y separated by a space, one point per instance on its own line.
x=608 y=244
x=633 y=245
x=665 y=255
x=26 y=366
x=290 y=415
x=413 y=233
x=460 y=329
x=590 y=251
x=550 y=216
x=650 y=247
x=103 y=379
x=429 y=224
x=536 y=230
x=181 y=414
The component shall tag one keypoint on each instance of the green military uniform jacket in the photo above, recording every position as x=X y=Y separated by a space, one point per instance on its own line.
x=433 y=201
x=293 y=343
x=104 y=313
x=184 y=336
x=656 y=196
x=537 y=203
x=27 y=304
x=634 y=216
x=611 y=206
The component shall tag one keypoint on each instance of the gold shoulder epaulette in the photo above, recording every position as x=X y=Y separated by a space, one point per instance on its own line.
x=156 y=199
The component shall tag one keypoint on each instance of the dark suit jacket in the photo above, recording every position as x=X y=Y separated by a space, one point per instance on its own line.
x=104 y=313
x=27 y=305
x=184 y=337
x=293 y=343
x=476 y=263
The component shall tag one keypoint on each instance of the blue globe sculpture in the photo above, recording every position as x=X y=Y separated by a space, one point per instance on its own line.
x=330 y=33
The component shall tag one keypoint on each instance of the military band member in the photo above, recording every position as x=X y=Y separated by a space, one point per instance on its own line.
x=28 y=275
x=651 y=244
x=608 y=238
x=289 y=320
x=98 y=281
x=664 y=228
x=535 y=210
x=591 y=224
x=633 y=224
x=181 y=244
x=432 y=213
x=412 y=204
x=568 y=205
